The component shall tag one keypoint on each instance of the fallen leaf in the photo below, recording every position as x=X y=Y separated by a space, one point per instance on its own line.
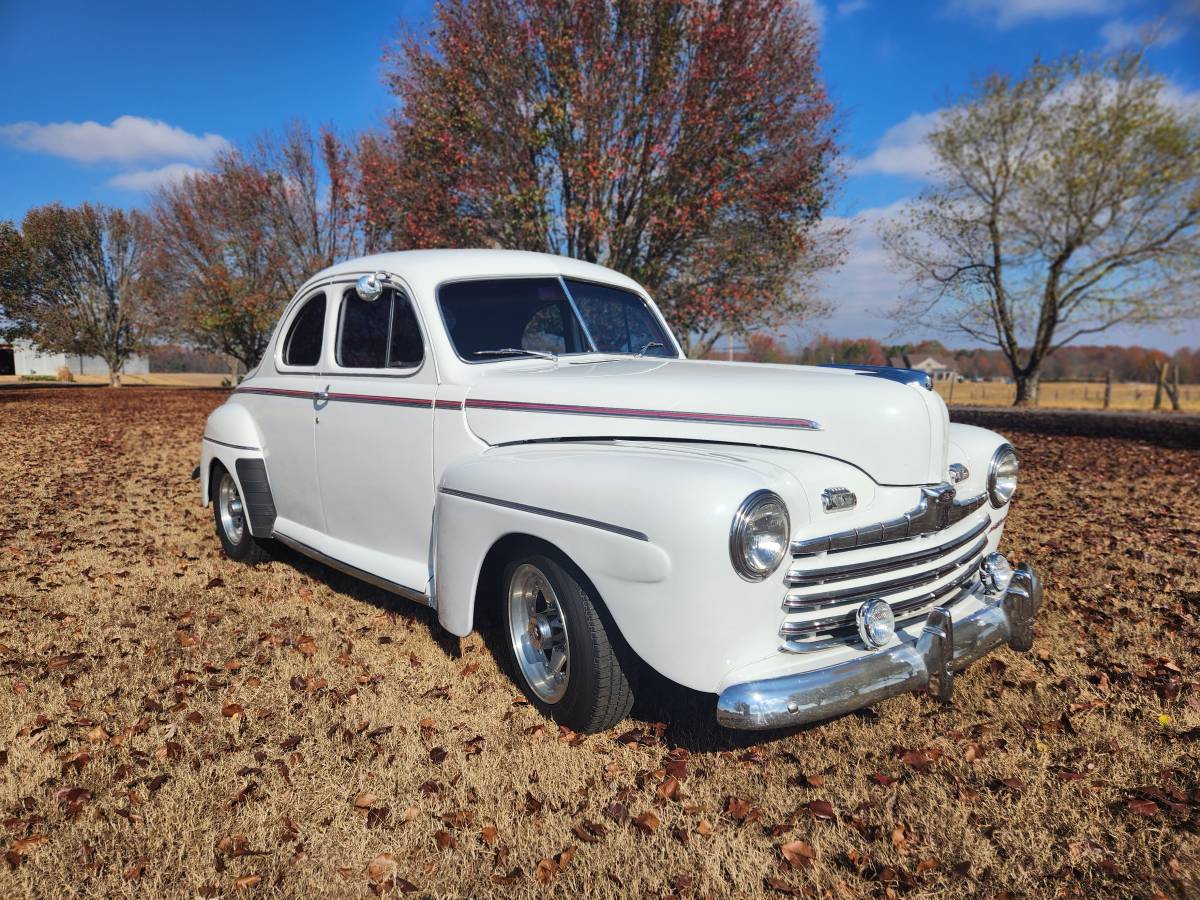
x=545 y=871
x=1142 y=807
x=799 y=854
x=647 y=822
x=381 y=867
x=364 y=801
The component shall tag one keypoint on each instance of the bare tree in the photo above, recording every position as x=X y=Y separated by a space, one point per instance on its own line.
x=234 y=244
x=74 y=281
x=1066 y=201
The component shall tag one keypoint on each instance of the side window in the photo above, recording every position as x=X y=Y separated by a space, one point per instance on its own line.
x=363 y=332
x=302 y=347
x=405 y=349
x=382 y=334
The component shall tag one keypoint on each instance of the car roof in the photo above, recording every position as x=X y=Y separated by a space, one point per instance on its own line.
x=431 y=267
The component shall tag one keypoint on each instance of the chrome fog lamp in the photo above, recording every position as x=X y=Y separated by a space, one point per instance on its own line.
x=1002 y=475
x=996 y=573
x=758 y=538
x=876 y=623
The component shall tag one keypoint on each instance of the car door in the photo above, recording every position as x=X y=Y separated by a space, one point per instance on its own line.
x=375 y=437
x=281 y=396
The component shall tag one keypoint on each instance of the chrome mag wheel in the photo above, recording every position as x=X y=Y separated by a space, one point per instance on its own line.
x=229 y=507
x=538 y=630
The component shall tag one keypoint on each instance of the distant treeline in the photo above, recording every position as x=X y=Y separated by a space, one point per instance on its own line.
x=176 y=358
x=1077 y=363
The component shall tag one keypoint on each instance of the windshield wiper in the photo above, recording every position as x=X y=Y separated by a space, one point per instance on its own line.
x=518 y=351
x=650 y=344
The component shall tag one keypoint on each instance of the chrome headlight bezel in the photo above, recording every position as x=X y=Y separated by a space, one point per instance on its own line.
x=998 y=494
x=740 y=532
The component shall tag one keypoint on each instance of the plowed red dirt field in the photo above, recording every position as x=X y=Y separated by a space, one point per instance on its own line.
x=174 y=724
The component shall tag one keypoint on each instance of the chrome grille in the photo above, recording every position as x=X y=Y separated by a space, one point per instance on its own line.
x=821 y=601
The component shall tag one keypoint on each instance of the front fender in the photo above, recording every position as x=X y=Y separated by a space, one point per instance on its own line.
x=649 y=527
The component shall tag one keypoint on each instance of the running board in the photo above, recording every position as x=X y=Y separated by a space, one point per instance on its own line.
x=354 y=572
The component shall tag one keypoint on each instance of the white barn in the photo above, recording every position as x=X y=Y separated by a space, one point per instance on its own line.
x=23 y=358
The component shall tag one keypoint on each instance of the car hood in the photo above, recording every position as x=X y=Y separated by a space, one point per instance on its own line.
x=896 y=433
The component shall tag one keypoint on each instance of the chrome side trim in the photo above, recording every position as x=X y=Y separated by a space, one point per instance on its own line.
x=231 y=446
x=844 y=626
x=937 y=510
x=355 y=572
x=806 y=578
x=550 y=513
x=827 y=599
x=945 y=646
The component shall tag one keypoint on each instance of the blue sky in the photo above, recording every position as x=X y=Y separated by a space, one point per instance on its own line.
x=166 y=85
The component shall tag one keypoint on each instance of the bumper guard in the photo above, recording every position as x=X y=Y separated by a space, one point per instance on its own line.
x=928 y=664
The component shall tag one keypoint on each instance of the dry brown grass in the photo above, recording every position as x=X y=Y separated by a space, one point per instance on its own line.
x=1130 y=395
x=172 y=723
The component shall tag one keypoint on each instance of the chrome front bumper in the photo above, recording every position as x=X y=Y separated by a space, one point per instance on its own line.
x=928 y=664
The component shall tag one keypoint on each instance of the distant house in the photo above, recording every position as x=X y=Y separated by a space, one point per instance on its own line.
x=930 y=365
x=22 y=358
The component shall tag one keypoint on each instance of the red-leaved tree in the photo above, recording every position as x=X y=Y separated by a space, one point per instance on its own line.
x=235 y=243
x=688 y=145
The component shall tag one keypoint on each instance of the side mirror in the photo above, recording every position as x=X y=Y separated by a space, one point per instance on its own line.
x=369 y=287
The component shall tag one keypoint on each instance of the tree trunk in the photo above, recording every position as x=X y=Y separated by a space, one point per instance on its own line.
x=1159 y=384
x=1027 y=388
x=1107 y=388
x=114 y=374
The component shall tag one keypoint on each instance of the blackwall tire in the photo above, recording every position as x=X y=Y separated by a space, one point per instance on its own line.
x=550 y=624
x=233 y=528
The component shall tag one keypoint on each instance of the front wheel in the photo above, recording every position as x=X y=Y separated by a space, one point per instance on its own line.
x=233 y=529
x=559 y=647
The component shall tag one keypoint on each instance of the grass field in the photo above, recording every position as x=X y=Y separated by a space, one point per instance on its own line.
x=174 y=724
x=154 y=379
x=1070 y=395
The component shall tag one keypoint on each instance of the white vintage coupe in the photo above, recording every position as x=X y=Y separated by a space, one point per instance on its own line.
x=516 y=435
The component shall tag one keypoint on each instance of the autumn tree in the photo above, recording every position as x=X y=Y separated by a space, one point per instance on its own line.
x=74 y=280
x=1065 y=202
x=687 y=145
x=234 y=244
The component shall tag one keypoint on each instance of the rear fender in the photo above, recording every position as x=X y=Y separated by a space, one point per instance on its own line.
x=231 y=439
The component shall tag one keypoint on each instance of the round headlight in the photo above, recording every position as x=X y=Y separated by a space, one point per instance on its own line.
x=876 y=622
x=758 y=539
x=1002 y=475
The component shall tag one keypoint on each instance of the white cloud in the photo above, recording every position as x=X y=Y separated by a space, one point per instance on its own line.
x=1119 y=34
x=128 y=139
x=1180 y=98
x=864 y=289
x=1008 y=13
x=149 y=179
x=902 y=150
x=850 y=7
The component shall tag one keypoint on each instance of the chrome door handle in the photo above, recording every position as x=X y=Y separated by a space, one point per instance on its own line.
x=321 y=396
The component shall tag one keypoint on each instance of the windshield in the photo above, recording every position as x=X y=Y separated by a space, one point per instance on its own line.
x=495 y=318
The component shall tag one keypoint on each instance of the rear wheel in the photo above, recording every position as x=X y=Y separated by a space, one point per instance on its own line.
x=559 y=647
x=233 y=529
